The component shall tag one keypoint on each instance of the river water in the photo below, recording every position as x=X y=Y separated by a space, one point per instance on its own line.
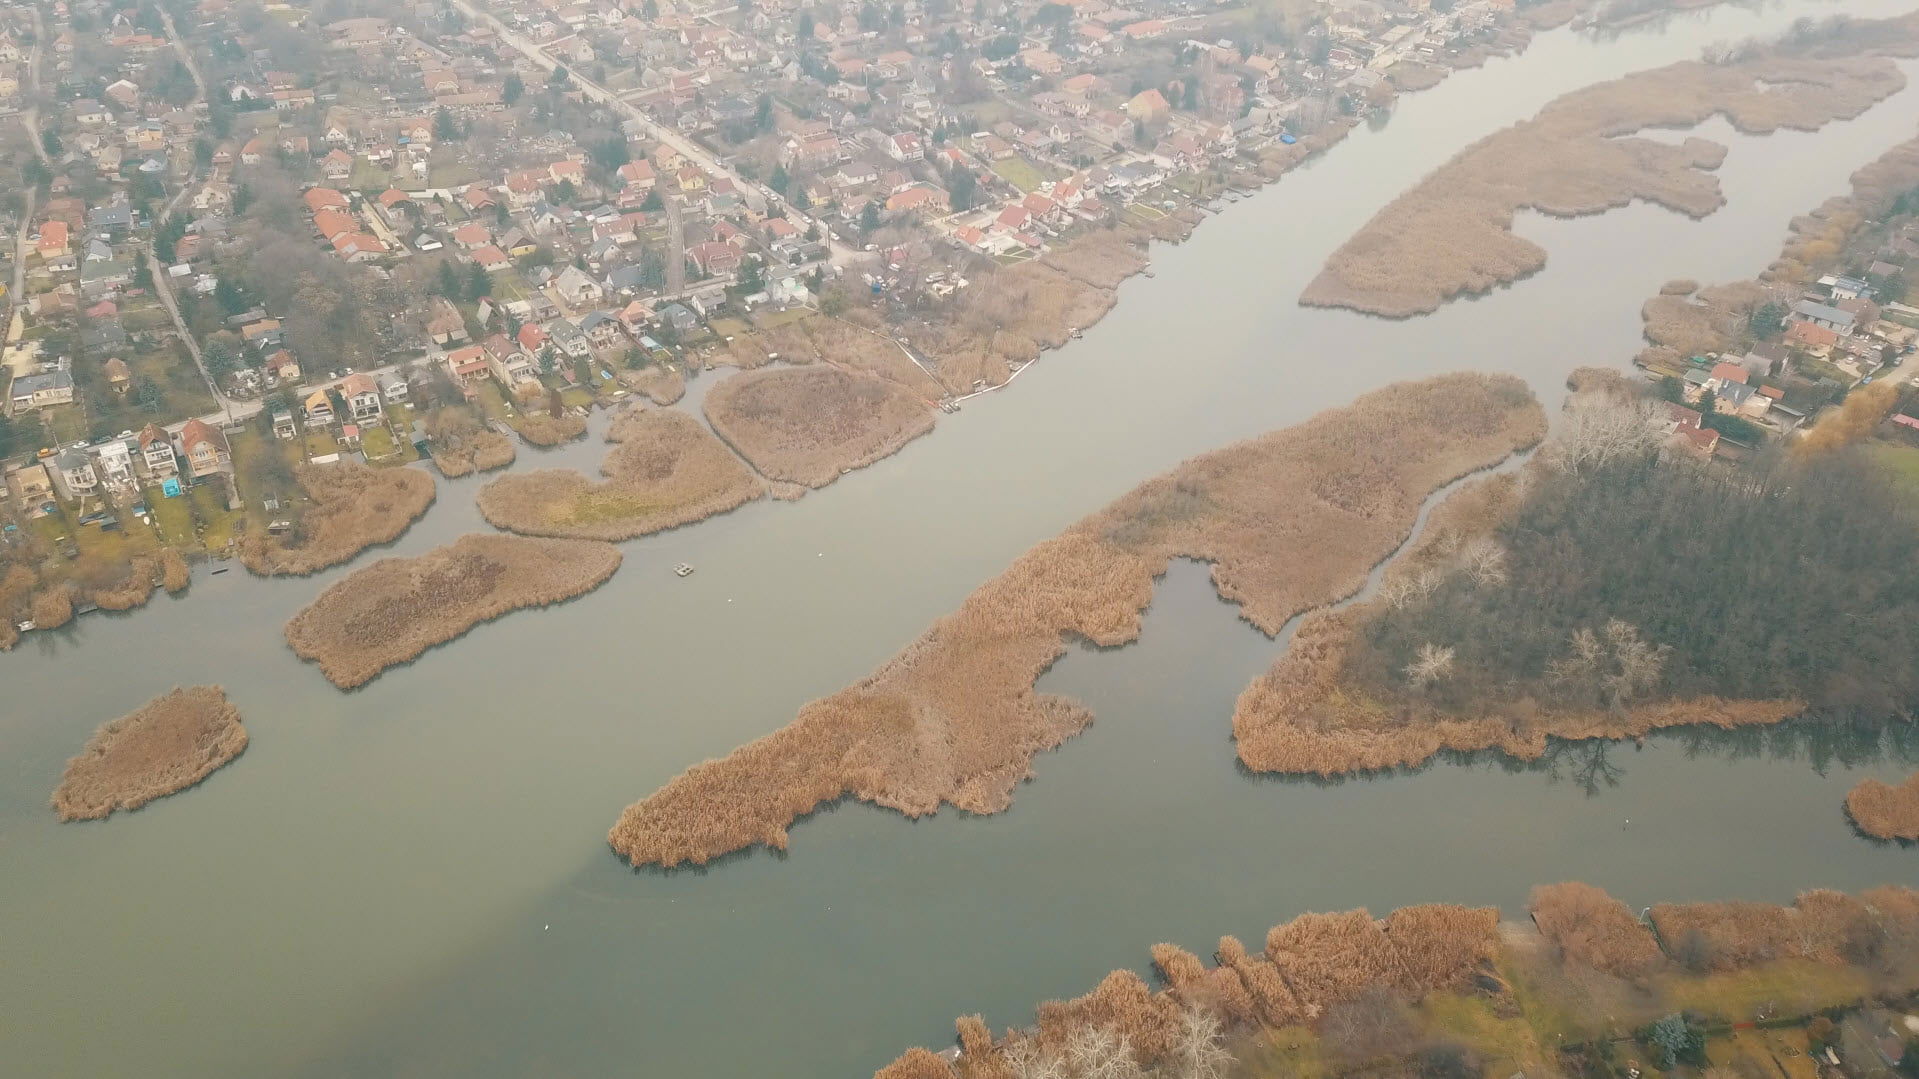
x=411 y=879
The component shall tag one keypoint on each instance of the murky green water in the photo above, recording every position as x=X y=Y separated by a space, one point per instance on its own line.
x=412 y=878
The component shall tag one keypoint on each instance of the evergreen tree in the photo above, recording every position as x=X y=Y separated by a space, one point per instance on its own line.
x=870 y=216
x=477 y=283
x=449 y=280
x=511 y=90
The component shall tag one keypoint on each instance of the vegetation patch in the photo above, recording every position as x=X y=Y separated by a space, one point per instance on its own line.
x=809 y=424
x=171 y=743
x=1606 y=593
x=1886 y=810
x=1446 y=991
x=462 y=444
x=349 y=507
x=667 y=470
x=395 y=609
x=1451 y=234
x=1289 y=520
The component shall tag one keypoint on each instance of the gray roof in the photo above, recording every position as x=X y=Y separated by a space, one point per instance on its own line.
x=1736 y=393
x=52 y=380
x=1819 y=312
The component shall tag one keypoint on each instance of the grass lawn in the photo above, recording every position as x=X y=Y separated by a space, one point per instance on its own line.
x=1792 y=986
x=217 y=523
x=576 y=397
x=1286 y=1053
x=1902 y=460
x=1020 y=172
x=173 y=517
x=730 y=327
x=319 y=443
x=378 y=444
x=774 y=319
x=1471 y=1021
x=67 y=422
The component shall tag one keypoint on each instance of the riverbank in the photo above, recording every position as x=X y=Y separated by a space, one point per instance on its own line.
x=395 y=609
x=462 y=444
x=811 y=424
x=1291 y=520
x=171 y=743
x=1451 y=234
x=349 y=507
x=1683 y=322
x=665 y=470
x=1359 y=995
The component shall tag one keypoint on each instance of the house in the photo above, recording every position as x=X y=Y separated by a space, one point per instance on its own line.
x=472 y=235
x=42 y=391
x=115 y=466
x=1846 y=288
x=156 y=452
x=283 y=426
x=569 y=339
x=393 y=389
x=362 y=396
x=679 y=317
x=601 y=329
x=577 y=289
x=53 y=240
x=74 y=470
x=1824 y=316
x=905 y=146
x=1148 y=106
x=444 y=323
x=1726 y=374
x=466 y=364
x=283 y=366
x=1811 y=337
x=507 y=363
x=492 y=259
x=319 y=409
x=119 y=375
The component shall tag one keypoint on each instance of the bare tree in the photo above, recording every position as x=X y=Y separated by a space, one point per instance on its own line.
x=1198 y=1052
x=1598 y=430
x=1432 y=663
x=1485 y=561
x=1615 y=663
x=1026 y=1060
x=1099 y=1053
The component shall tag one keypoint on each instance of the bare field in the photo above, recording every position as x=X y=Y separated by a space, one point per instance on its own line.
x=809 y=424
x=352 y=507
x=397 y=608
x=171 y=743
x=665 y=471
x=1452 y=235
x=1290 y=520
x=1886 y=810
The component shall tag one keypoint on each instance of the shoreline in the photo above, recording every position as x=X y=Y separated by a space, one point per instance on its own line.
x=1450 y=236
x=167 y=745
x=953 y=718
x=394 y=610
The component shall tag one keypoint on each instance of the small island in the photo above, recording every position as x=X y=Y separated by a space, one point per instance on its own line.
x=1452 y=233
x=171 y=743
x=395 y=609
x=1885 y=810
x=810 y=424
x=666 y=470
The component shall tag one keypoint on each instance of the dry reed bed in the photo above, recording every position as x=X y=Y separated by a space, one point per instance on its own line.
x=659 y=383
x=1290 y=520
x=545 y=429
x=351 y=507
x=666 y=470
x=1319 y=961
x=1590 y=927
x=809 y=424
x=1886 y=810
x=395 y=609
x=1316 y=962
x=463 y=445
x=28 y=593
x=1451 y=234
x=168 y=745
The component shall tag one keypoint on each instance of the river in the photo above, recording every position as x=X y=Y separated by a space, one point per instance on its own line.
x=411 y=879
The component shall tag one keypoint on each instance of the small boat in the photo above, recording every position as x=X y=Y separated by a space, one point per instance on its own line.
x=1078 y=333
x=221 y=569
x=1146 y=273
x=26 y=627
x=683 y=569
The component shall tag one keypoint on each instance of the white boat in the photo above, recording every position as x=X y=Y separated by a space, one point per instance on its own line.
x=683 y=569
